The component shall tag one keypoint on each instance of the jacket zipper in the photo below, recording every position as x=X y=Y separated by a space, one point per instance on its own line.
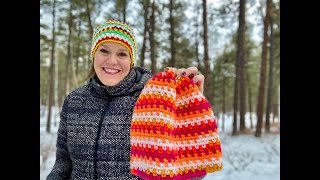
x=97 y=138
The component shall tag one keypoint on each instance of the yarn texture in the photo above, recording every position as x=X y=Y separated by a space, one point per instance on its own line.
x=174 y=132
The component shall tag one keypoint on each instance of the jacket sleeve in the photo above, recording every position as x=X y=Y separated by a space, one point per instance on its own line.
x=62 y=167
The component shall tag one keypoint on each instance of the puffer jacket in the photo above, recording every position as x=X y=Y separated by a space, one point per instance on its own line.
x=94 y=132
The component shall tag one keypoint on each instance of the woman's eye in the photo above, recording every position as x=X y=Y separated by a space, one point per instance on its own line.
x=104 y=51
x=123 y=55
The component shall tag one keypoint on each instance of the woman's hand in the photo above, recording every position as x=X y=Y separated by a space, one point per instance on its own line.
x=192 y=72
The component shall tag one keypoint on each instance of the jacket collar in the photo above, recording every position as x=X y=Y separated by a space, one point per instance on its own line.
x=131 y=83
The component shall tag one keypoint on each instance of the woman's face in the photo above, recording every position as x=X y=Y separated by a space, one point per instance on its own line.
x=111 y=63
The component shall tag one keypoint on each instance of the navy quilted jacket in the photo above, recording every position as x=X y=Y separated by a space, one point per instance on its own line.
x=94 y=131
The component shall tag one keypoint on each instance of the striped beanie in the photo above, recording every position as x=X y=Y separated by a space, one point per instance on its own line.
x=174 y=131
x=114 y=31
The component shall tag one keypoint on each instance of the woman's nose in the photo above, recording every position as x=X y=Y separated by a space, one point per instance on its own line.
x=112 y=59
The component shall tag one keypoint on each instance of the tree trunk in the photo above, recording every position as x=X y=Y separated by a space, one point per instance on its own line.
x=242 y=62
x=235 y=100
x=124 y=7
x=68 y=61
x=263 y=69
x=223 y=101
x=240 y=42
x=88 y=12
x=276 y=110
x=78 y=48
x=213 y=89
x=249 y=98
x=270 y=78
x=146 y=21
x=197 y=38
x=52 y=68
x=172 y=62
x=206 y=50
x=152 y=41
x=61 y=83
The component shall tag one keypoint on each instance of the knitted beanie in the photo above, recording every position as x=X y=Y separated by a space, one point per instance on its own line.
x=173 y=132
x=114 y=31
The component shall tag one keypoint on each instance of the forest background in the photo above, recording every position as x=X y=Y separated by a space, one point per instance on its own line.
x=234 y=43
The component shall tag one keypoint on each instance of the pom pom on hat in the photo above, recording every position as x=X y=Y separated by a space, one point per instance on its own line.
x=173 y=132
x=114 y=31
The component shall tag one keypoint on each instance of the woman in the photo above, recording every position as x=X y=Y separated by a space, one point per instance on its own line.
x=93 y=137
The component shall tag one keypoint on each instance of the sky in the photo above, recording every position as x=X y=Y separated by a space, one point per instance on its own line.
x=245 y=157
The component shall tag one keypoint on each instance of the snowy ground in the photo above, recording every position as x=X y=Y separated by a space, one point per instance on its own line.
x=245 y=157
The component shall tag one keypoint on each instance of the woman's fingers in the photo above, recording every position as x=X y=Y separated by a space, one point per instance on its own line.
x=178 y=72
x=181 y=72
x=191 y=72
x=199 y=81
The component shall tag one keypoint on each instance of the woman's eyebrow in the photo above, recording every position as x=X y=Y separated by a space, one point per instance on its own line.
x=123 y=50
x=105 y=46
